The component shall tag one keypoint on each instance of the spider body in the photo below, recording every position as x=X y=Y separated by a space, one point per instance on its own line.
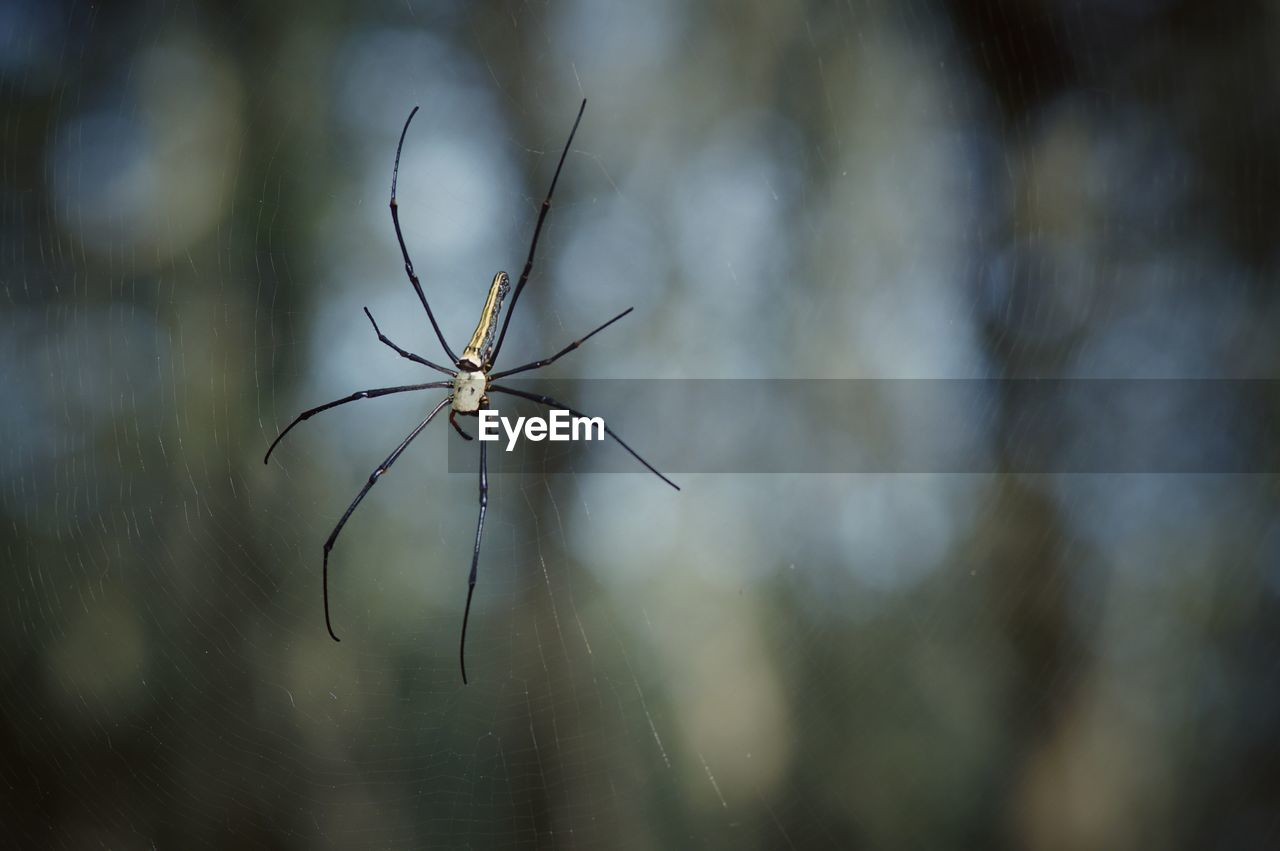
x=469 y=384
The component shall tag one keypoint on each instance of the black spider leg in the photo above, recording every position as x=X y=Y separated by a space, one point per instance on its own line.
x=539 y=364
x=552 y=403
x=401 y=352
x=373 y=479
x=354 y=397
x=408 y=264
x=537 y=231
x=453 y=421
x=475 y=555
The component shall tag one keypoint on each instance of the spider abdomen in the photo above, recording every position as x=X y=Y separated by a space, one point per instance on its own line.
x=479 y=352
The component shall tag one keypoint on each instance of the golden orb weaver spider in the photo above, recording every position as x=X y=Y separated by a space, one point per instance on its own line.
x=469 y=384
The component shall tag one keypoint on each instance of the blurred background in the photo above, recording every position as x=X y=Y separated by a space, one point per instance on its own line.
x=193 y=210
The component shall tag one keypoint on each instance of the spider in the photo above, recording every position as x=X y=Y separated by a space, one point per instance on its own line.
x=469 y=383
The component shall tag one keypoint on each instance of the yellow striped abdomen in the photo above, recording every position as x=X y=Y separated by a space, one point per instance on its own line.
x=479 y=351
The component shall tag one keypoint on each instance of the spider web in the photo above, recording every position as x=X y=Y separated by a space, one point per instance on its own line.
x=193 y=213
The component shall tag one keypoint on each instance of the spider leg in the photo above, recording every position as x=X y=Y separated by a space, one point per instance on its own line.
x=408 y=264
x=538 y=364
x=404 y=354
x=359 y=394
x=373 y=479
x=552 y=403
x=475 y=556
x=453 y=421
x=537 y=232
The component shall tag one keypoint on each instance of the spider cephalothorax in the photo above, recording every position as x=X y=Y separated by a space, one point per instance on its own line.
x=470 y=381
